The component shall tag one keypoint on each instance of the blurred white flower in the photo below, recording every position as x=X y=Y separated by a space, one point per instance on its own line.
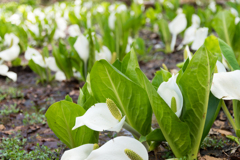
x=82 y=47
x=74 y=30
x=178 y=24
x=212 y=6
x=111 y=20
x=201 y=35
x=104 y=53
x=15 y=19
x=4 y=72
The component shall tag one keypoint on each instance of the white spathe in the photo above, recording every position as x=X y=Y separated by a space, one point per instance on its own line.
x=220 y=67
x=226 y=85
x=187 y=53
x=74 y=30
x=111 y=20
x=178 y=24
x=59 y=34
x=189 y=34
x=237 y=19
x=104 y=53
x=196 y=20
x=51 y=64
x=78 y=153
x=10 y=39
x=4 y=72
x=60 y=76
x=201 y=35
x=30 y=52
x=212 y=6
x=99 y=118
x=39 y=60
x=82 y=47
x=170 y=89
x=114 y=149
x=11 y=53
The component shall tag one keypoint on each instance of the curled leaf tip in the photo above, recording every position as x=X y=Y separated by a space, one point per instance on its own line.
x=165 y=67
x=95 y=146
x=132 y=155
x=114 y=109
x=174 y=104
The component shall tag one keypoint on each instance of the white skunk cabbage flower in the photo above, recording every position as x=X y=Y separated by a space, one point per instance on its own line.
x=61 y=23
x=15 y=19
x=89 y=20
x=220 y=67
x=212 y=6
x=119 y=148
x=4 y=72
x=237 y=19
x=59 y=34
x=82 y=47
x=130 y=41
x=78 y=153
x=201 y=35
x=187 y=54
x=74 y=30
x=11 y=53
x=234 y=12
x=196 y=20
x=172 y=95
x=10 y=39
x=111 y=20
x=52 y=65
x=226 y=85
x=190 y=33
x=104 y=53
x=102 y=117
x=178 y=24
x=30 y=52
x=33 y=27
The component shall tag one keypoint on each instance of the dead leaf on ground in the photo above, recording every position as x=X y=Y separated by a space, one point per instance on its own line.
x=206 y=157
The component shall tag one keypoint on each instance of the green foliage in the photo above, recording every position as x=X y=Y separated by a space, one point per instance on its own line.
x=6 y=110
x=214 y=143
x=11 y=93
x=34 y=118
x=12 y=148
x=61 y=118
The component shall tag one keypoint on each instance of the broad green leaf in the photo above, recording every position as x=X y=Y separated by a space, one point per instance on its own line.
x=129 y=64
x=236 y=112
x=195 y=86
x=160 y=76
x=132 y=100
x=224 y=24
x=61 y=118
x=214 y=107
x=212 y=45
x=118 y=65
x=16 y=62
x=91 y=59
x=236 y=42
x=155 y=135
x=72 y=17
x=174 y=130
x=228 y=54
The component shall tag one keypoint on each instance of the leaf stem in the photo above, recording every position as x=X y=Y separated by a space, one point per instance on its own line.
x=229 y=117
x=135 y=133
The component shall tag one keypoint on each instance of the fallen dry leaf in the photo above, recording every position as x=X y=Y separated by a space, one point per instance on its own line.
x=206 y=157
x=2 y=127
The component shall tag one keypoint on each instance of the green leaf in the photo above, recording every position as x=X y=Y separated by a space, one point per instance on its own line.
x=68 y=98
x=160 y=76
x=224 y=24
x=236 y=42
x=228 y=54
x=129 y=64
x=156 y=135
x=16 y=62
x=212 y=44
x=61 y=118
x=91 y=59
x=236 y=112
x=62 y=59
x=195 y=86
x=85 y=99
x=165 y=34
x=174 y=130
x=233 y=138
x=132 y=100
x=214 y=107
